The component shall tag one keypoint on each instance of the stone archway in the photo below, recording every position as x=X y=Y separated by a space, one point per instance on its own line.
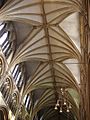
x=3 y=113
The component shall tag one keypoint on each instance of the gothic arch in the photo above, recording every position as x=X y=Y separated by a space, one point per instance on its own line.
x=3 y=113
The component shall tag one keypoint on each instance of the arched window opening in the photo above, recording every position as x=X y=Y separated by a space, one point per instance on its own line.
x=2 y=25
x=20 y=82
x=4 y=40
x=18 y=75
x=15 y=71
x=6 y=45
x=7 y=38
x=27 y=102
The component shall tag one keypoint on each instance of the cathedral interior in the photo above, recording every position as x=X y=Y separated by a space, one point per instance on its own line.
x=44 y=60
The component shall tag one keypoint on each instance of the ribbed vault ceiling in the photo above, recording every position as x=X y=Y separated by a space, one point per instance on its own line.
x=50 y=48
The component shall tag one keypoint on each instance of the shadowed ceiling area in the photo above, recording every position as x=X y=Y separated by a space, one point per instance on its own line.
x=42 y=58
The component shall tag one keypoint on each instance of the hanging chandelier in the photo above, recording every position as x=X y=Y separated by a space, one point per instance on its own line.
x=62 y=103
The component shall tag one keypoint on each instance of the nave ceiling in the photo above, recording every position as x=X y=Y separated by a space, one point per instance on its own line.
x=43 y=40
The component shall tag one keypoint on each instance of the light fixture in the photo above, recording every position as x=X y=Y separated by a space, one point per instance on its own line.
x=62 y=91
x=62 y=102
x=57 y=102
x=55 y=107
x=65 y=101
x=60 y=110
x=68 y=110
